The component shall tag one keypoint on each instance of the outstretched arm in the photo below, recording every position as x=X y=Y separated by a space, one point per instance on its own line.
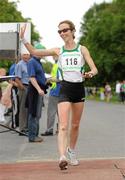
x=93 y=70
x=36 y=52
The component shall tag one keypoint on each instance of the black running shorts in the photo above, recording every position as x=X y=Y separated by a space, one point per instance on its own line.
x=72 y=92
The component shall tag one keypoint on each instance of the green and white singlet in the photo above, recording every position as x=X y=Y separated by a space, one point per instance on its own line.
x=71 y=64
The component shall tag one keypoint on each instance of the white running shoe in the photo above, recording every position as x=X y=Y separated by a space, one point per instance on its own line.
x=71 y=155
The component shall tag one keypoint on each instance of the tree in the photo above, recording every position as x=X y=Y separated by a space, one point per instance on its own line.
x=103 y=29
x=9 y=13
x=47 y=66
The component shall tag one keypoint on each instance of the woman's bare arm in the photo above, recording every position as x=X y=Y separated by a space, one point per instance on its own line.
x=93 y=70
x=36 y=52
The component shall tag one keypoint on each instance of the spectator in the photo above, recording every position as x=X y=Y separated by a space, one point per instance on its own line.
x=102 y=94
x=53 y=101
x=36 y=91
x=5 y=100
x=108 y=92
x=22 y=79
x=15 y=98
x=117 y=90
x=122 y=92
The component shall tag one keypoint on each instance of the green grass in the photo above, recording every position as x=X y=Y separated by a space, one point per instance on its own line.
x=113 y=99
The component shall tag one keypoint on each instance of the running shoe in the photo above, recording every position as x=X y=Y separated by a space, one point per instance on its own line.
x=71 y=156
x=63 y=163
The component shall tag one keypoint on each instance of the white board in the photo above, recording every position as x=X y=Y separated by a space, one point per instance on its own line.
x=15 y=27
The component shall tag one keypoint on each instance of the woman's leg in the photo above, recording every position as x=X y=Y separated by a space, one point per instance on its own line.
x=77 y=109
x=63 y=112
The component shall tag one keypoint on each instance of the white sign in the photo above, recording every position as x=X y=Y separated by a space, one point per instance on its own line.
x=15 y=27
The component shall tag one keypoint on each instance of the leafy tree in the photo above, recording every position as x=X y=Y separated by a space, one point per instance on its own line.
x=47 y=66
x=9 y=13
x=103 y=30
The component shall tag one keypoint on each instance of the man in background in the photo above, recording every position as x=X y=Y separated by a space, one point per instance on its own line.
x=36 y=91
x=22 y=79
x=53 y=100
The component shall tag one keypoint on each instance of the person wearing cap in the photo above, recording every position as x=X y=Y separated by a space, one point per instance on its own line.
x=22 y=79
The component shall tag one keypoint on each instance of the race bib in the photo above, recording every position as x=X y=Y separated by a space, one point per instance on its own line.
x=71 y=63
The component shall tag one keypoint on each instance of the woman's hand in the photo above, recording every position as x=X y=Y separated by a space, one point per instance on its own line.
x=88 y=74
x=22 y=31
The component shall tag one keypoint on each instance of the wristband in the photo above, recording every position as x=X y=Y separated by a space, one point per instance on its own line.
x=24 y=41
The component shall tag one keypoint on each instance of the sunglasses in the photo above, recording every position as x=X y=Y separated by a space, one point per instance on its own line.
x=63 y=30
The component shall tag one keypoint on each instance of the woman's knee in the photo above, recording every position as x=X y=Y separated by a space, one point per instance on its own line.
x=63 y=128
x=75 y=126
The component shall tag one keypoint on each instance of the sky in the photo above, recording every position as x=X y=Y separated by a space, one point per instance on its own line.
x=47 y=14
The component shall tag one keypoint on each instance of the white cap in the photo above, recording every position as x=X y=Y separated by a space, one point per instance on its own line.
x=23 y=49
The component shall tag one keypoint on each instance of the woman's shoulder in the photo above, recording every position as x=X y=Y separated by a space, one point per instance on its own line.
x=84 y=49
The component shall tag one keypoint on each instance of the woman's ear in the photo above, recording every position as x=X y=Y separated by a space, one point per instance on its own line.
x=73 y=30
x=73 y=33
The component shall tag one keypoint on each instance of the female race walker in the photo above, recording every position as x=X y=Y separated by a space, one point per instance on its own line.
x=71 y=61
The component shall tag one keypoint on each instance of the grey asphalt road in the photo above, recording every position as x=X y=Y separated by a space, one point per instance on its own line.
x=102 y=136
